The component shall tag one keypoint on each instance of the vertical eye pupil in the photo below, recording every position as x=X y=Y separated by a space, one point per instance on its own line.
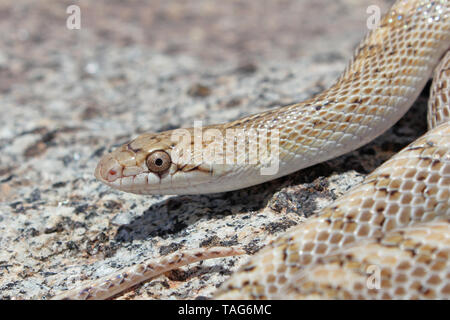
x=159 y=162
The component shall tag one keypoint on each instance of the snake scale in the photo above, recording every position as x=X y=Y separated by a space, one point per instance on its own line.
x=395 y=225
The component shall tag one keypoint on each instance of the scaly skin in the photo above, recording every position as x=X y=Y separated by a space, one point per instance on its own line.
x=411 y=188
x=389 y=69
x=397 y=220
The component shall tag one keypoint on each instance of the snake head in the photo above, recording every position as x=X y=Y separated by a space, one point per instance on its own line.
x=191 y=161
x=154 y=164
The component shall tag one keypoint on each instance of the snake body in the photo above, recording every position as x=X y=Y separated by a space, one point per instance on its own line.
x=397 y=220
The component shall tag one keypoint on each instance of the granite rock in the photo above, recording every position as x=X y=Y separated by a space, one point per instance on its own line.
x=69 y=96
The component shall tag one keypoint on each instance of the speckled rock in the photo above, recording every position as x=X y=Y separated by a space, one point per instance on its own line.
x=68 y=96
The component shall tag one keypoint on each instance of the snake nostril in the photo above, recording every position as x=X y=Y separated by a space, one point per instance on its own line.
x=113 y=173
x=108 y=169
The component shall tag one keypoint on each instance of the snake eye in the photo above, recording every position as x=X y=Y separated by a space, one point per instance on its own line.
x=158 y=161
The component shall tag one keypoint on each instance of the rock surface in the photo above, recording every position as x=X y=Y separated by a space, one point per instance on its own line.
x=68 y=96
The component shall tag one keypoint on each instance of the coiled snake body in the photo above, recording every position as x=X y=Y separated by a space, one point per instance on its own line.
x=395 y=223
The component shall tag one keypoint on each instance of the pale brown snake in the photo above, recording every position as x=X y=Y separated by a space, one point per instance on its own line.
x=396 y=221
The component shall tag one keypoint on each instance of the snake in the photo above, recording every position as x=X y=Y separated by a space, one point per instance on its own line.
x=386 y=238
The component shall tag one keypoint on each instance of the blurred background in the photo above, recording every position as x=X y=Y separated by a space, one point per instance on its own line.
x=213 y=31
